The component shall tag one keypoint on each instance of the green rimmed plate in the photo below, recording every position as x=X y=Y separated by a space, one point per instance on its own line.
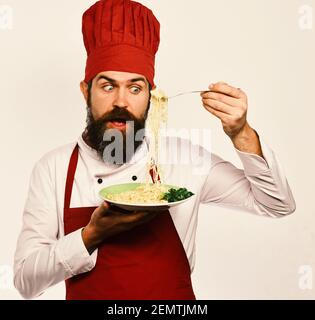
x=119 y=188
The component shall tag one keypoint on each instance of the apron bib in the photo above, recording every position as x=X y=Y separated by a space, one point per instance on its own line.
x=145 y=263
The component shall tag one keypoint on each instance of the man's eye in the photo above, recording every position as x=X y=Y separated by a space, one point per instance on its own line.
x=108 y=87
x=135 y=90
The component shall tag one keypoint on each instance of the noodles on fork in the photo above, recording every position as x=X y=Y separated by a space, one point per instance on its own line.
x=158 y=114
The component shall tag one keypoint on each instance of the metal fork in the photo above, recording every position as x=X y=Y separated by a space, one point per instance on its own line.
x=188 y=92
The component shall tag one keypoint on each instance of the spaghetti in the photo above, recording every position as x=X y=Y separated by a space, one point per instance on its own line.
x=156 y=192
x=146 y=193
x=158 y=115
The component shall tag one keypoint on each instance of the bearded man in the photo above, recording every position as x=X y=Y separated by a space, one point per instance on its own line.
x=103 y=252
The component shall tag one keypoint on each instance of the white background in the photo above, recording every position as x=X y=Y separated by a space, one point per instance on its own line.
x=258 y=45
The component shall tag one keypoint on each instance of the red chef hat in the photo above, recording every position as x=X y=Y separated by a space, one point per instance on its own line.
x=120 y=35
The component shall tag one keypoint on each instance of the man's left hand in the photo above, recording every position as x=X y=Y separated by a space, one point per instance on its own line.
x=229 y=104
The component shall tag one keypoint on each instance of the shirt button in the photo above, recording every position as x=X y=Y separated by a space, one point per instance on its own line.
x=134 y=178
x=100 y=181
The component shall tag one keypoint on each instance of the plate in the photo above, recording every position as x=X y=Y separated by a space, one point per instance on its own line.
x=119 y=188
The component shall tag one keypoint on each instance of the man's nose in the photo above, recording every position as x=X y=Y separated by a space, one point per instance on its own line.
x=120 y=100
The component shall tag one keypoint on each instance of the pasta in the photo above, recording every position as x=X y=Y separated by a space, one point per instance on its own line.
x=156 y=192
x=152 y=193
x=157 y=116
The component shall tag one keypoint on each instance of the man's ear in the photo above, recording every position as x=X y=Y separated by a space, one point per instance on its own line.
x=84 y=89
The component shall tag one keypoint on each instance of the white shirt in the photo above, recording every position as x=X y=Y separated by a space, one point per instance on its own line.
x=45 y=256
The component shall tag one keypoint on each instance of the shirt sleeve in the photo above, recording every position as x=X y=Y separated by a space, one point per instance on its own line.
x=42 y=259
x=260 y=188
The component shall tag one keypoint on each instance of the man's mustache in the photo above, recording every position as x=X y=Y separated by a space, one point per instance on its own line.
x=118 y=114
x=96 y=130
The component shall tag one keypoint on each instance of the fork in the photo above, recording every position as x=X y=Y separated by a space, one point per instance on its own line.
x=188 y=92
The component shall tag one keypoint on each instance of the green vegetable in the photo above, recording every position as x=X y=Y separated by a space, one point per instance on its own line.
x=174 y=195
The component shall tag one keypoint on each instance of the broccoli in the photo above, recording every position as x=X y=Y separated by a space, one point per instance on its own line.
x=174 y=195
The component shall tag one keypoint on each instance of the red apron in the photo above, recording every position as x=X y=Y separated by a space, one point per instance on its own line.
x=145 y=263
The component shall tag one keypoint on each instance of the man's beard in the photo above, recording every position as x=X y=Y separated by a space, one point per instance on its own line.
x=112 y=145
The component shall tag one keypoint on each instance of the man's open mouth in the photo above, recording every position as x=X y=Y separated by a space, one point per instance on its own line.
x=118 y=123
x=119 y=120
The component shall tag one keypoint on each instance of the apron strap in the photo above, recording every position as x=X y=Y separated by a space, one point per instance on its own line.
x=70 y=176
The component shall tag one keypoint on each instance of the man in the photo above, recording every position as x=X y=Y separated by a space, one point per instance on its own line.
x=107 y=253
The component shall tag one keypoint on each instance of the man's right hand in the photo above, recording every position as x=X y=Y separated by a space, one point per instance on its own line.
x=107 y=221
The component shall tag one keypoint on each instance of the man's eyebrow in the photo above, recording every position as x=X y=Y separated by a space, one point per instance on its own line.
x=107 y=79
x=138 y=79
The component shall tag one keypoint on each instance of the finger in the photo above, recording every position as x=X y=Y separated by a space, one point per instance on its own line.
x=222 y=98
x=103 y=208
x=227 y=89
x=140 y=216
x=223 y=117
x=221 y=82
x=212 y=84
x=148 y=217
x=117 y=210
x=219 y=106
x=143 y=214
x=220 y=115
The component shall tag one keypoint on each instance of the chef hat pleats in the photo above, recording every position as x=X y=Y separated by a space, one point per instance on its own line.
x=120 y=35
